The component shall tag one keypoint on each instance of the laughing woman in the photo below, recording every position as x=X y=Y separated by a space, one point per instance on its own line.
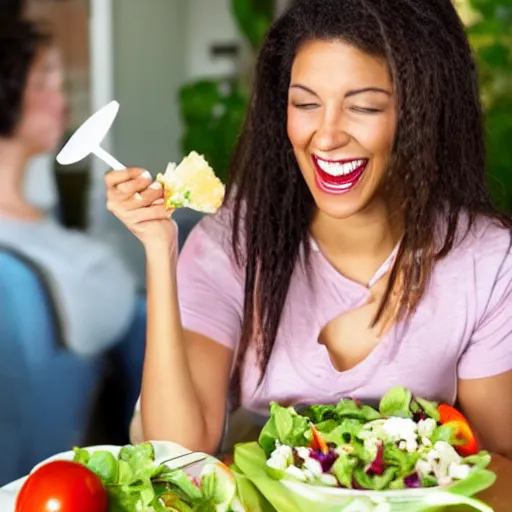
x=357 y=249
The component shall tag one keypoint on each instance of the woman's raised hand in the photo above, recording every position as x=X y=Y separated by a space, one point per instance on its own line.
x=138 y=202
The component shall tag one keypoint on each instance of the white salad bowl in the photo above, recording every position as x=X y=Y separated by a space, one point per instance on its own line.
x=396 y=500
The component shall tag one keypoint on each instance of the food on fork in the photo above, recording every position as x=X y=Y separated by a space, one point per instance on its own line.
x=192 y=184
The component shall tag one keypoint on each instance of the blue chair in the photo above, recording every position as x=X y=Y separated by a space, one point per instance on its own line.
x=46 y=392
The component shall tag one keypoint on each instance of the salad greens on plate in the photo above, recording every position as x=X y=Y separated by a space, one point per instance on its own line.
x=134 y=482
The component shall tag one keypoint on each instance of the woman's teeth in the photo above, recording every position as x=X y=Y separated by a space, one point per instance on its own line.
x=339 y=169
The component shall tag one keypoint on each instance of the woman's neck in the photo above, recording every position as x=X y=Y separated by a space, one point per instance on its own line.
x=365 y=239
x=13 y=162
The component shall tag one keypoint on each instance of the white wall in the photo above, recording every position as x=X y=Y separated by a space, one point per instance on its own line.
x=208 y=22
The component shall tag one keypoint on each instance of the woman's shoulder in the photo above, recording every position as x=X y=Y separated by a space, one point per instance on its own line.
x=485 y=245
x=486 y=237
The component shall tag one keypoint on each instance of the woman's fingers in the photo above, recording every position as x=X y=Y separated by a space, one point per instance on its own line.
x=115 y=178
x=143 y=199
x=140 y=216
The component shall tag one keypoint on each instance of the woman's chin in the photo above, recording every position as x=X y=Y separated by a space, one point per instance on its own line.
x=339 y=206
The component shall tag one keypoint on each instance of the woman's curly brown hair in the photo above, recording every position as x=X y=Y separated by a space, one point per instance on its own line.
x=438 y=159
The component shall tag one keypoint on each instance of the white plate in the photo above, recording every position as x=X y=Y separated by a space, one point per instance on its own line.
x=163 y=452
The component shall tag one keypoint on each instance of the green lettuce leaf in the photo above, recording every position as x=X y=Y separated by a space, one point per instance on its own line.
x=285 y=426
x=429 y=408
x=343 y=470
x=347 y=431
x=396 y=402
x=403 y=461
x=319 y=413
x=349 y=409
x=326 y=426
x=480 y=460
x=250 y=498
x=446 y=433
x=477 y=481
x=376 y=482
x=105 y=465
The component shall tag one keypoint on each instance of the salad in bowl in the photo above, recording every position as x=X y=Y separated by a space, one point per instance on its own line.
x=408 y=450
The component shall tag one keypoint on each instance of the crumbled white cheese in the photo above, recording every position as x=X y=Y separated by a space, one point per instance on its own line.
x=458 y=471
x=281 y=457
x=441 y=457
x=398 y=429
x=411 y=445
x=308 y=474
x=296 y=473
x=425 y=441
x=444 y=481
x=314 y=466
x=328 y=479
x=426 y=427
x=303 y=452
x=423 y=467
x=371 y=445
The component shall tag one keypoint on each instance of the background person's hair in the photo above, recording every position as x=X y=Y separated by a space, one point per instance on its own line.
x=11 y=8
x=19 y=43
x=438 y=161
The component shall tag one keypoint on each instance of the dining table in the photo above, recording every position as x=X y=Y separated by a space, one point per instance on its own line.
x=499 y=496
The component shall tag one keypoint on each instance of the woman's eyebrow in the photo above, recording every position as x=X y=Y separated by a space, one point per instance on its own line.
x=304 y=88
x=367 y=89
x=352 y=92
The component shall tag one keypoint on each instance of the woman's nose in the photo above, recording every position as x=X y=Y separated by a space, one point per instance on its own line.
x=332 y=133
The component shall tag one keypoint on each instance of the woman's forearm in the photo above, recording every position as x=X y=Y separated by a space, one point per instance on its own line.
x=171 y=407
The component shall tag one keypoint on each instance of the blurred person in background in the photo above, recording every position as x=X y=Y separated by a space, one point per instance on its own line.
x=94 y=291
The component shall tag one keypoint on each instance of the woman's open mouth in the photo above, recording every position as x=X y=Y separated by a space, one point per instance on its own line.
x=338 y=176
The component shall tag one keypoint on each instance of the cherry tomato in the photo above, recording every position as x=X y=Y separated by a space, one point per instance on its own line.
x=451 y=416
x=62 y=486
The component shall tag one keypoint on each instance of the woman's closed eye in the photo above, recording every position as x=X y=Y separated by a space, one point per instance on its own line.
x=306 y=106
x=365 y=110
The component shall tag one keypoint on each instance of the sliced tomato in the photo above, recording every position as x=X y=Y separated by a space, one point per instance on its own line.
x=317 y=443
x=451 y=416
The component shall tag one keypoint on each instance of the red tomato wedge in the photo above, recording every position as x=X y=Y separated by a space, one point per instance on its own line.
x=62 y=486
x=317 y=443
x=451 y=416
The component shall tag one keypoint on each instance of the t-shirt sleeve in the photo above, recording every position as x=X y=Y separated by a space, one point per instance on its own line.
x=210 y=286
x=489 y=352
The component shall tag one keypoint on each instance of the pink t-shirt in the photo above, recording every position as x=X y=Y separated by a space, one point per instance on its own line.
x=461 y=329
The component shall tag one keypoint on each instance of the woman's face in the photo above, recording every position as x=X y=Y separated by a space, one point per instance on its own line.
x=341 y=123
x=42 y=121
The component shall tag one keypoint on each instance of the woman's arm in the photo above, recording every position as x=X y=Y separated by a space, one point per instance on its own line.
x=487 y=404
x=186 y=375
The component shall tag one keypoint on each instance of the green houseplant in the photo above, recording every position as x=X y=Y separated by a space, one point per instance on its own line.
x=490 y=33
x=213 y=110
